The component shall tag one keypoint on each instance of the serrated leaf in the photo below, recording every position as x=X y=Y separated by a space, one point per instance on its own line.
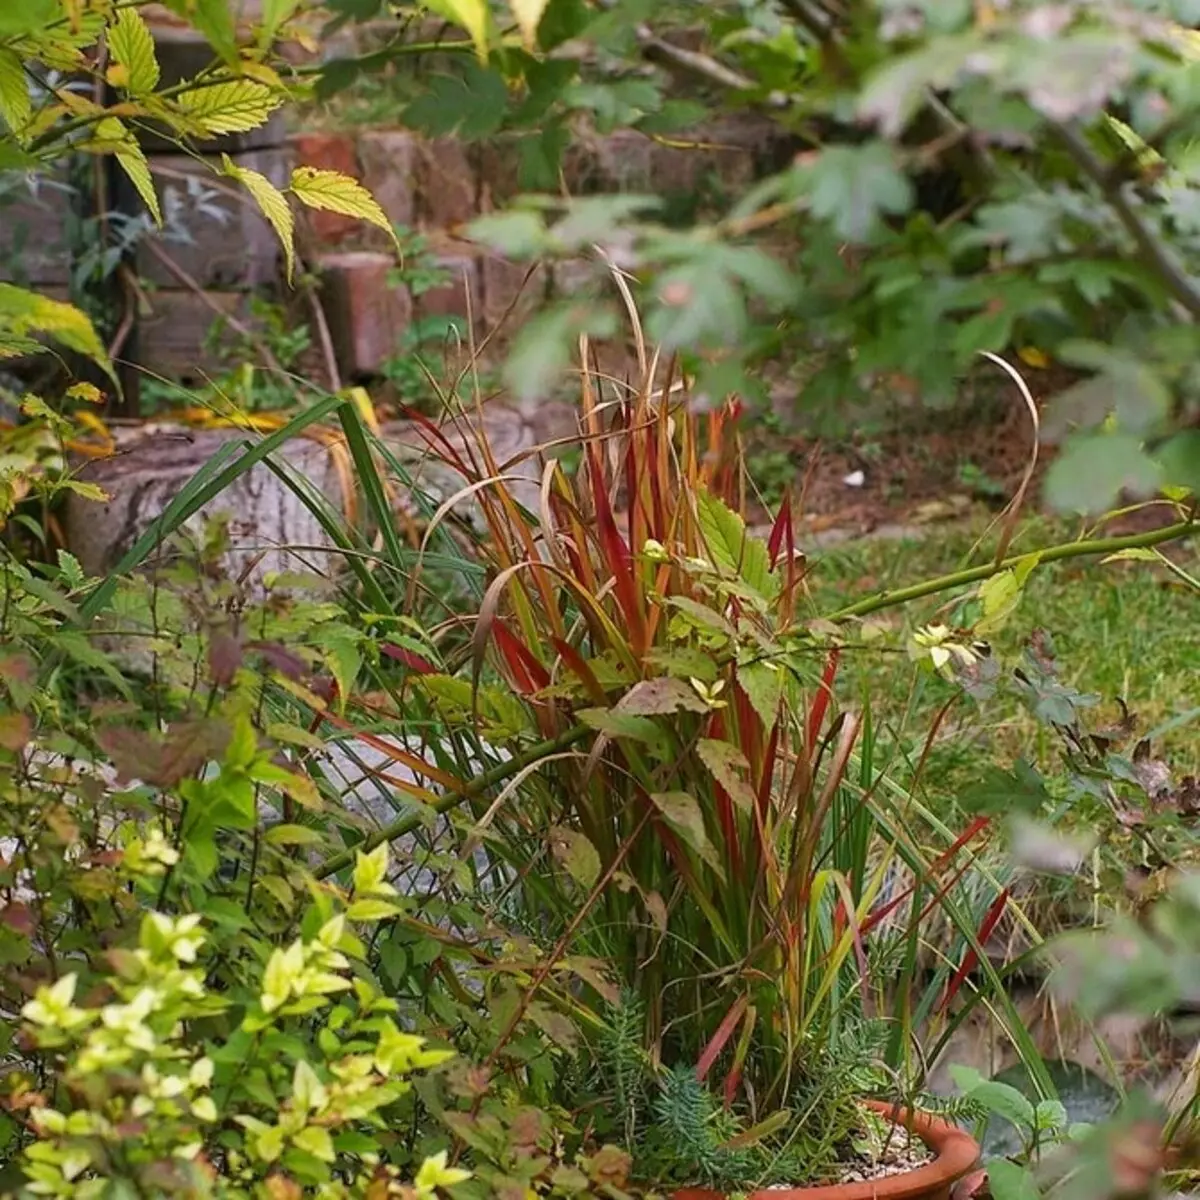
x=731 y=546
x=577 y=855
x=471 y=15
x=852 y=186
x=334 y=192
x=763 y=686
x=23 y=312
x=233 y=107
x=111 y=137
x=15 y=104
x=653 y=697
x=273 y=204
x=728 y=766
x=1093 y=468
x=131 y=45
x=529 y=16
x=682 y=813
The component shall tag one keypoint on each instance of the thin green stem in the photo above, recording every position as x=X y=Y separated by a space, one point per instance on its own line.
x=1082 y=549
x=469 y=791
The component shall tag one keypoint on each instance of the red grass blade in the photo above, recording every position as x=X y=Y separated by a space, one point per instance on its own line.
x=528 y=674
x=719 y=1039
x=971 y=958
x=618 y=558
x=820 y=704
x=580 y=669
x=414 y=662
x=781 y=529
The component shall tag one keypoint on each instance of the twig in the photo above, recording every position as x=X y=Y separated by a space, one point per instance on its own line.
x=1172 y=274
x=1083 y=549
x=326 y=340
x=704 y=66
x=238 y=326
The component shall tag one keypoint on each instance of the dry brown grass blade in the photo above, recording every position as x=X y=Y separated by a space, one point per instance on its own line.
x=1011 y=512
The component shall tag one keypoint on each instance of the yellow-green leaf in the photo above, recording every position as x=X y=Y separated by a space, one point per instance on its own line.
x=274 y=207
x=131 y=45
x=111 y=137
x=15 y=105
x=471 y=15
x=23 y=312
x=529 y=16
x=338 y=193
x=232 y=107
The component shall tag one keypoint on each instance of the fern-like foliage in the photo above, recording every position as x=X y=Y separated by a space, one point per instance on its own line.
x=624 y=1066
x=692 y=1133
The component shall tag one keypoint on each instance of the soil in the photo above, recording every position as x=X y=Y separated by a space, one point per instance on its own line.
x=901 y=1154
x=906 y=465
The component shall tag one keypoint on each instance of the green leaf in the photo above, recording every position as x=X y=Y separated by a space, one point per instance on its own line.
x=541 y=352
x=1094 y=467
x=214 y=20
x=334 y=192
x=471 y=104
x=233 y=107
x=519 y=234
x=373 y=910
x=623 y=725
x=763 y=685
x=273 y=204
x=131 y=46
x=732 y=548
x=471 y=15
x=853 y=186
x=27 y=16
x=111 y=137
x=683 y=815
x=15 y=104
x=1179 y=457
x=23 y=312
x=729 y=767
x=1001 y=791
x=576 y=854
x=1011 y=1181
x=292 y=835
x=998 y=1098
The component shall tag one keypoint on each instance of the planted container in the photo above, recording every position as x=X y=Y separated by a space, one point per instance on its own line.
x=956 y=1152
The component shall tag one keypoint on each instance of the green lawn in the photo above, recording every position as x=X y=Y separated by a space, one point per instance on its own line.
x=1121 y=629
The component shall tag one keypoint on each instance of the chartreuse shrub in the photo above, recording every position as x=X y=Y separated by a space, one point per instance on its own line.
x=128 y=1095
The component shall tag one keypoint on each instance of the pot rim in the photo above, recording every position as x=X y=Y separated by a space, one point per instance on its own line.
x=956 y=1150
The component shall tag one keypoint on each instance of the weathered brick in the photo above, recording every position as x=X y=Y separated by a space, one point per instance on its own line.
x=173 y=336
x=367 y=314
x=388 y=159
x=498 y=174
x=328 y=152
x=232 y=245
x=459 y=296
x=446 y=183
x=511 y=292
x=624 y=160
x=33 y=242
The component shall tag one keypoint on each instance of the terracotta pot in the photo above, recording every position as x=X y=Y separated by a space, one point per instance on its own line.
x=957 y=1152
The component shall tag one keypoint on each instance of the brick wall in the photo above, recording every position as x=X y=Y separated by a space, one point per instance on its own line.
x=438 y=186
